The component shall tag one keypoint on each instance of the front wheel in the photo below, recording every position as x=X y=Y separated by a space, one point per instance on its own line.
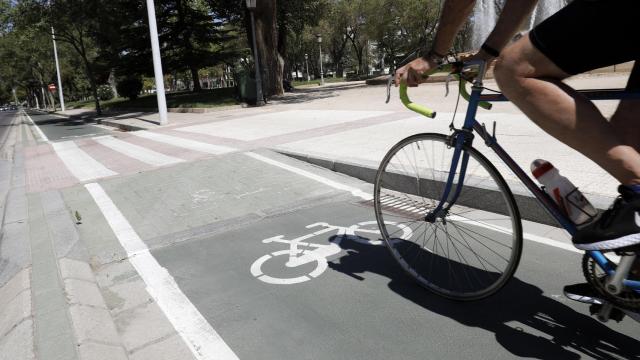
x=471 y=248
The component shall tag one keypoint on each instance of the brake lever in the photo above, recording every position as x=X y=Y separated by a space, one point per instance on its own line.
x=389 y=82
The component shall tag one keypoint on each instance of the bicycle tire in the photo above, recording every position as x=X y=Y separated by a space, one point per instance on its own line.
x=410 y=204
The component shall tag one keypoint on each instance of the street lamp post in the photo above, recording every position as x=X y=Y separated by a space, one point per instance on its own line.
x=320 y=49
x=251 y=5
x=157 y=63
x=55 y=55
x=306 y=61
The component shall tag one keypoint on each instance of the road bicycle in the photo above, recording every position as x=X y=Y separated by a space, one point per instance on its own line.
x=302 y=252
x=467 y=229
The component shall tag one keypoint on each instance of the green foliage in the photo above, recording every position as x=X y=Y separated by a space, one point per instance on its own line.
x=199 y=38
x=105 y=92
x=129 y=87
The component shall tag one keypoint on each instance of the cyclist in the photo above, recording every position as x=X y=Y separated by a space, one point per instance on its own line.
x=584 y=35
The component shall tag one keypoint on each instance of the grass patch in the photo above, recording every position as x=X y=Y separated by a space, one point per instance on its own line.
x=185 y=99
x=80 y=104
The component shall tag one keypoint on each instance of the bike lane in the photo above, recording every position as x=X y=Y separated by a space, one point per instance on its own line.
x=208 y=231
x=351 y=300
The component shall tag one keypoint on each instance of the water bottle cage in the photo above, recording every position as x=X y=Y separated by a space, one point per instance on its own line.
x=568 y=199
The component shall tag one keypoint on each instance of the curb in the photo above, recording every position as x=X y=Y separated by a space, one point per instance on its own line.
x=530 y=208
x=123 y=127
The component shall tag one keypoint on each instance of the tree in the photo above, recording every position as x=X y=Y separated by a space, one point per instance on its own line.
x=191 y=39
x=26 y=59
x=76 y=23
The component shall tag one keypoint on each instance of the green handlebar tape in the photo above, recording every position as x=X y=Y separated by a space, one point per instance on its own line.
x=422 y=110
x=463 y=91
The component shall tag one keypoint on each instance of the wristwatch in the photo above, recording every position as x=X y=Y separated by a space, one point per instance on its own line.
x=433 y=56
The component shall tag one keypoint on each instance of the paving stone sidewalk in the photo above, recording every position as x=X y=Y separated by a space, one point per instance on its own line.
x=55 y=302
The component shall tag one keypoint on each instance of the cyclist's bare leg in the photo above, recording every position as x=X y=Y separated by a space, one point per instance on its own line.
x=625 y=122
x=625 y=119
x=533 y=83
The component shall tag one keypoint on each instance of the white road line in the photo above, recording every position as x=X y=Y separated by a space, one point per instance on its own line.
x=530 y=237
x=42 y=136
x=137 y=152
x=334 y=184
x=184 y=143
x=365 y=196
x=203 y=341
x=81 y=165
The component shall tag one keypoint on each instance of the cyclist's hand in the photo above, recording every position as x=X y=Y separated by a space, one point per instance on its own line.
x=413 y=72
x=480 y=55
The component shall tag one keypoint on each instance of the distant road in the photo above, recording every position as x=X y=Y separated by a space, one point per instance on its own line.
x=58 y=128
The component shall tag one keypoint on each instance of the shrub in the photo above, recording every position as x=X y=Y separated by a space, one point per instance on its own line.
x=129 y=88
x=105 y=92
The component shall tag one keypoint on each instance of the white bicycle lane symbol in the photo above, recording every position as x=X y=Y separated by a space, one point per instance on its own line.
x=302 y=252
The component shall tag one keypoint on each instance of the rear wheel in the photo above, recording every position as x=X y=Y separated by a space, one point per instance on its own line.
x=467 y=252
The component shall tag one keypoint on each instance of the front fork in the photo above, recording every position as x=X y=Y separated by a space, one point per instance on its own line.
x=458 y=140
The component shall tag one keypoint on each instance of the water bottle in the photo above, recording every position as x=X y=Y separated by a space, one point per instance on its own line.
x=569 y=199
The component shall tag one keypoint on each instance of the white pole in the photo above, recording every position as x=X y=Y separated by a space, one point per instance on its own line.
x=55 y=54
x=15 y=97
x=157 y=63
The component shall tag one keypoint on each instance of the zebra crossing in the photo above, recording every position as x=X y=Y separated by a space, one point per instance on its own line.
x=61 y=164
x=143 y=154
x=51 y=165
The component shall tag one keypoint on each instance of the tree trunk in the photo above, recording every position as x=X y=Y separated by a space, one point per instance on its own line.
x=44 y=98
x=112 y=83
x=271 y=63
x=52 y=100
x=195 y=77
x=94 y=87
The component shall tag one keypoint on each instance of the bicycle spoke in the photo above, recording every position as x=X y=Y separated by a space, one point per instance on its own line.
x=465 y=253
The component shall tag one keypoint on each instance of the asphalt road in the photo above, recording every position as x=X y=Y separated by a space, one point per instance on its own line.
x=364 y=307
x=58 y=128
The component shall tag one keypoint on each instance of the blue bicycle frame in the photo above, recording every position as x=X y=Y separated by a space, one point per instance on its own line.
x=464 y=137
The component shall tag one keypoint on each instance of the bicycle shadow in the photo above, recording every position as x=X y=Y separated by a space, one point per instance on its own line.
x=568 y=334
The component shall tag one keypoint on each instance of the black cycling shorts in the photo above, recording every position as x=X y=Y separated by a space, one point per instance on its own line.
x=590 y=34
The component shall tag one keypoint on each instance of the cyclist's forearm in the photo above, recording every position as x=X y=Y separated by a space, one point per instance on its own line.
x=454 y=15
x=513 y=15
